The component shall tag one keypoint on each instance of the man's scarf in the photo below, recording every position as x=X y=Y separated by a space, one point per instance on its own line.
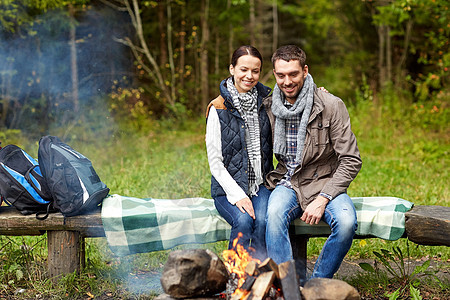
x=246 y=105
x=302 y=106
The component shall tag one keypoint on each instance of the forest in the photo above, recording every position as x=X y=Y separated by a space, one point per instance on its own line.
x=61 y=61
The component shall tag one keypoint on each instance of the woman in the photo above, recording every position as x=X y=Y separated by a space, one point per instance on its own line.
x=239 y=147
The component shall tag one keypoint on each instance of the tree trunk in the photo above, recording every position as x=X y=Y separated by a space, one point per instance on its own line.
x=217 y=56
x=73 y=60
x=231 y=34
x=388 y=55
x=402 y=59
x=204 y=55
x=260 y=20
x=170 y=50
x=275 y=25
x=182 y=35
x=162 y=37
x=381 y=43
x=252 y=24
x=155 y=73
x=5 y=95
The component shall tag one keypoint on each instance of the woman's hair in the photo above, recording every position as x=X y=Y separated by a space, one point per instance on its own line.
x=245 y=50
x=288 y=53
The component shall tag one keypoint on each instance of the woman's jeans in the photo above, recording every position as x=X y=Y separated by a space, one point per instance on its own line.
x=339 y=213
x=253 y=230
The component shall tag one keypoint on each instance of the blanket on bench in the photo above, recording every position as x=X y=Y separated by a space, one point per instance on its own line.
x=135 y=225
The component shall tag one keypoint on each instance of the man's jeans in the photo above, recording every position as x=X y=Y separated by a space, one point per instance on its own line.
x=252 y=230
x=339 y=213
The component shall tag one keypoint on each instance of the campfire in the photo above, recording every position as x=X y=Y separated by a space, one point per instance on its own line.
x=241 y=276
x=200 y=274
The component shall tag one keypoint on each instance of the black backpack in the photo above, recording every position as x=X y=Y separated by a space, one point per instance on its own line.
x=22 y=184
x=75 y=186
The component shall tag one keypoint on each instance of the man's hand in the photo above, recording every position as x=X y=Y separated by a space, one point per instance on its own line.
x=245 y=205
x=314 y=211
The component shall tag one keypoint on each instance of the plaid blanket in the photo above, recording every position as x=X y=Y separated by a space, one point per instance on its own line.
x=135 y=225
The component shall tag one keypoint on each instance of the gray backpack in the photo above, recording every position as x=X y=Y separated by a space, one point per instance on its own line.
x=75 y=186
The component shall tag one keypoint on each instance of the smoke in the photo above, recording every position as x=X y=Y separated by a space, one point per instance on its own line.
x=37 y=66
x=146 y=283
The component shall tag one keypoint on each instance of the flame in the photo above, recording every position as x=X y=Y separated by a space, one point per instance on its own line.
x=237 y=261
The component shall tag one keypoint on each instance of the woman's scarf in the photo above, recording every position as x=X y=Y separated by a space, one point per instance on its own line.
x=246 y=105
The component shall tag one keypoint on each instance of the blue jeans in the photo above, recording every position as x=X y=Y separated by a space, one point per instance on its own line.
x=253 y=230
x=339 y=213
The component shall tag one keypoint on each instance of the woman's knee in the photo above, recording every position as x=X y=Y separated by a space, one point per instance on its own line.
x=244 y=222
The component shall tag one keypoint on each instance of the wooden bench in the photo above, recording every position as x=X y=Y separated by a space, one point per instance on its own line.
x=425 y=225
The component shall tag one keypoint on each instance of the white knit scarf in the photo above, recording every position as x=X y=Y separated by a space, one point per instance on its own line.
x=246 y=105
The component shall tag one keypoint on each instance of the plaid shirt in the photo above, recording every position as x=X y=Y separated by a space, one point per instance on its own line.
x=292 y=125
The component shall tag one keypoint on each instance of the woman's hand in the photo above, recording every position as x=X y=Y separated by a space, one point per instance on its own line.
x=245 y=205
x=323 y=89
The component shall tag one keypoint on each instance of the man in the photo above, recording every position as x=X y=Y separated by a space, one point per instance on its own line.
x=317 y=157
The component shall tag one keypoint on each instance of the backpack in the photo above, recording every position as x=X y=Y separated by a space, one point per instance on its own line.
x=75 y=186
x=22 y=184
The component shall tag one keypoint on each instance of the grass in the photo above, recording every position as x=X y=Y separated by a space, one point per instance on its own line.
x=402 y=157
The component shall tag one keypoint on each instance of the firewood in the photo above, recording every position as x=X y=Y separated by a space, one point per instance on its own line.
x=251 y=268
x=262 y=286
x=269 y=265
x=248 y=283
x=289 y=281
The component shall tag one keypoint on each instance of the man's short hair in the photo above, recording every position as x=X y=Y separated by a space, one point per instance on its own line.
x=288 y=53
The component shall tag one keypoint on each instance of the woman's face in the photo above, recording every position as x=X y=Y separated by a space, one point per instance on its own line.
x=246 y=73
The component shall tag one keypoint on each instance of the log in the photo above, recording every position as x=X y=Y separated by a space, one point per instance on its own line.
x=428 y=225
x=262 y=286
x=289 y=281
x=251 y=268
x=270 y=265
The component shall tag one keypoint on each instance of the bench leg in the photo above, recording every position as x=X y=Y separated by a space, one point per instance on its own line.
x=64 y=252
x=299 y=252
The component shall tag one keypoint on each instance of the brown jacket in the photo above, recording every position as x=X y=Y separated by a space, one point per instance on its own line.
x=331 y=157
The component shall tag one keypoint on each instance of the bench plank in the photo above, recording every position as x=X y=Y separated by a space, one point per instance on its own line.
x=14 y=223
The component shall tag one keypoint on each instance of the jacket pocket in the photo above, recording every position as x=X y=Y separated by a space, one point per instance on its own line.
x=320 y=133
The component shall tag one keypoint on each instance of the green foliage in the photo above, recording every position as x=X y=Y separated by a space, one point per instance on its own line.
x=430 y=21
x=394 y=263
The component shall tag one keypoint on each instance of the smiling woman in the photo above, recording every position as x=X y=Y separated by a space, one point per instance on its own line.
x=246 y=72
x=239 y=147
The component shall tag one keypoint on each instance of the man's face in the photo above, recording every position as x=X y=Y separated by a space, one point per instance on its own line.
x=290 y=77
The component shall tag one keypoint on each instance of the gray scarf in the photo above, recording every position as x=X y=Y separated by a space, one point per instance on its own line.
x=246 y=105
x=303 y=106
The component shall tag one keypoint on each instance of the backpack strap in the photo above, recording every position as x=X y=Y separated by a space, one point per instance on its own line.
x=44 y=215
x=33 y=185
